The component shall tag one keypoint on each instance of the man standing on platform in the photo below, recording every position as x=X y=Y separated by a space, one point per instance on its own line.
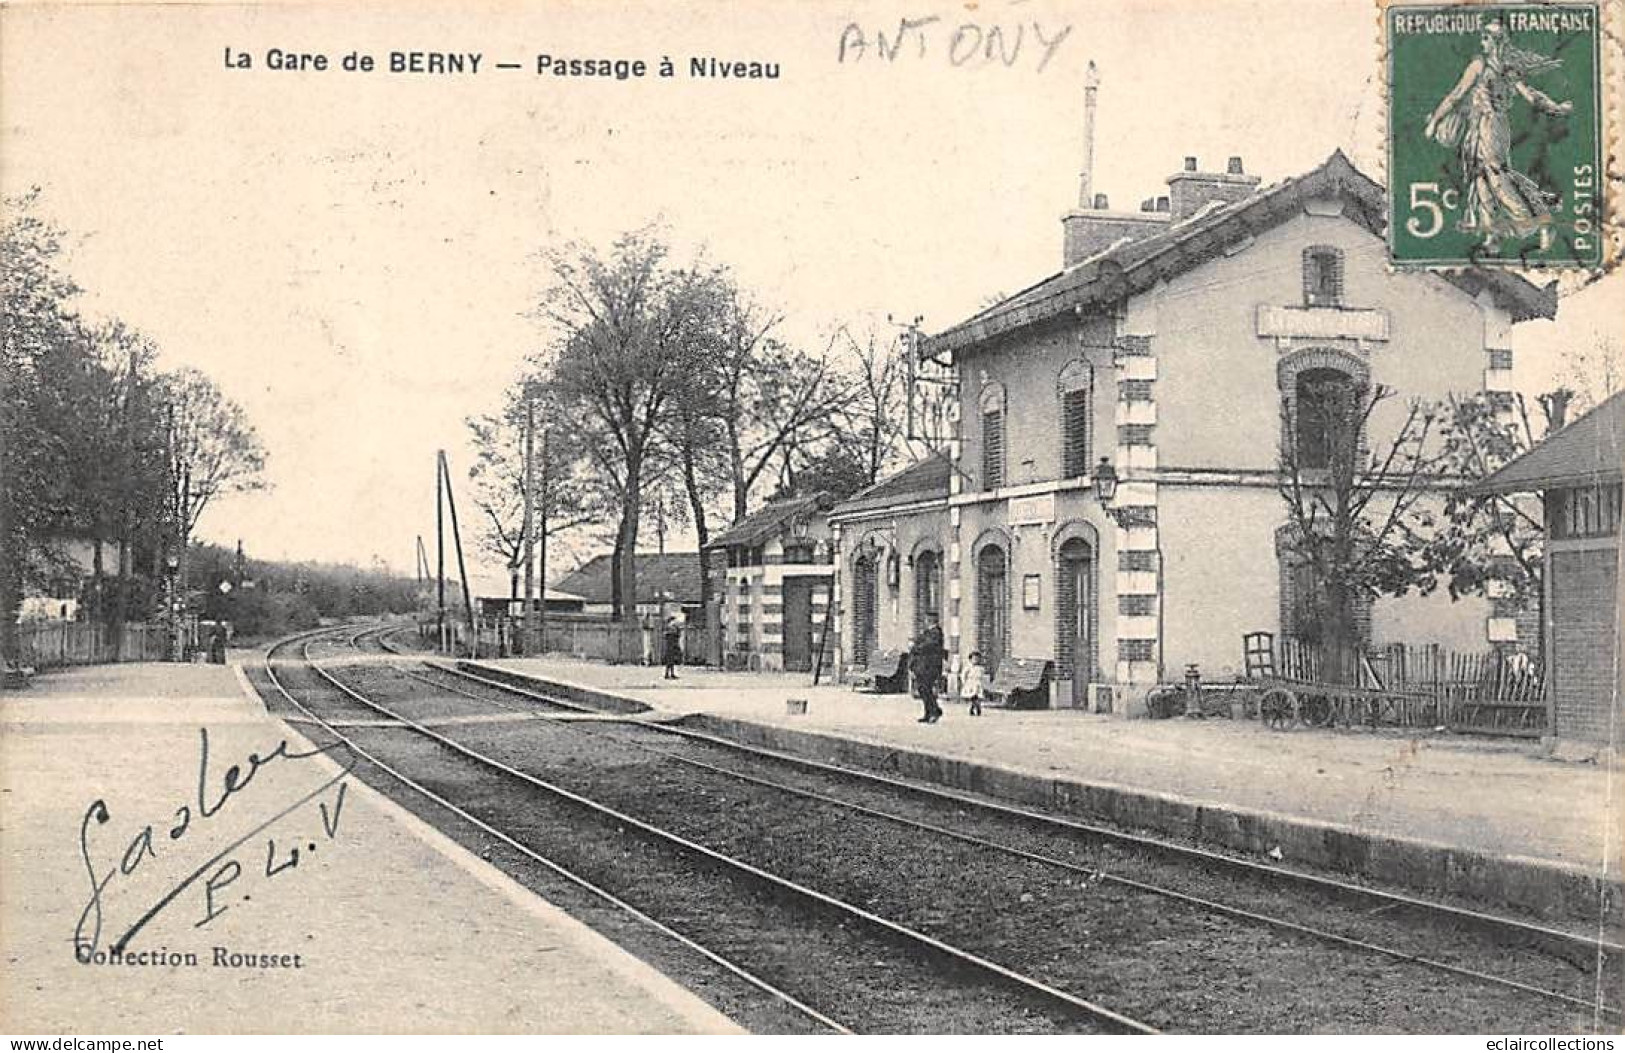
x=925 y=663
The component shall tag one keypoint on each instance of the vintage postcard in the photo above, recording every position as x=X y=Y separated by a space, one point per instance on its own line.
x=899 y=517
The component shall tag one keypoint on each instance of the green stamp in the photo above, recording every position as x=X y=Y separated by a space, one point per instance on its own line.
x=1494 y=135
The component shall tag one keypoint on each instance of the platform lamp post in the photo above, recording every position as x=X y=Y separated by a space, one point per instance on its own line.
x=172 y=564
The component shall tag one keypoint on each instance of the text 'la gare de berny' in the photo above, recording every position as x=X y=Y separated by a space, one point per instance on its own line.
x=472 y=63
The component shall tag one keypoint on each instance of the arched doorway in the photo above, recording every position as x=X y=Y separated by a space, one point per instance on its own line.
x=1076 y=616
x=927 y=590
x=992 y=606
x=865 y=631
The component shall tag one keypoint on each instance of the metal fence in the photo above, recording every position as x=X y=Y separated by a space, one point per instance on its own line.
x=46 y=645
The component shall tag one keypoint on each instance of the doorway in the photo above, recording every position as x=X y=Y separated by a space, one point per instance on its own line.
x=1076 y=617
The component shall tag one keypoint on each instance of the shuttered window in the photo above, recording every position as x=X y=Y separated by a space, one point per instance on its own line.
x=865 y=579
x=1322 y=276
x=992 y=449
x=992 y=607
x=1075 y=432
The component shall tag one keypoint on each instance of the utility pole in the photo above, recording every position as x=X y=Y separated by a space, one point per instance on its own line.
x=528 y=523
x=440 y=552
x=462 y=568
x=545 y=504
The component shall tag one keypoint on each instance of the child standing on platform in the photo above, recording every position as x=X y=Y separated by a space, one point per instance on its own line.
x=971 y=683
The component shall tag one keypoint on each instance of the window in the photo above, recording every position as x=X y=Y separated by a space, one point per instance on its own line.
x=1587 y=511
x=1076 y=391
x=1325 y=415
x=993 y=437
x=865 y=583
x=927 y=590
x=1322 y=276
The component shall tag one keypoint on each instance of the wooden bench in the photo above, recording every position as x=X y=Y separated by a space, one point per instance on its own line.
x=887 y=673
x=1023 y=683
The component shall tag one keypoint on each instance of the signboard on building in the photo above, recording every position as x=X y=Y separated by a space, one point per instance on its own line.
x=1028 y=511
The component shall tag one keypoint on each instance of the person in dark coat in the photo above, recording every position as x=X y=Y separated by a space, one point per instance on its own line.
x=925 y=663
x=671 y=652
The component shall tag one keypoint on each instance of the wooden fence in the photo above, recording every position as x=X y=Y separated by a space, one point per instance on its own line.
x=47 y=645
x=1466 y=691
x=598 y=639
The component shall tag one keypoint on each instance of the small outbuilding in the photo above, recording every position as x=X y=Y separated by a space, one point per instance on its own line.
x=1578 y=473
x=772 y=572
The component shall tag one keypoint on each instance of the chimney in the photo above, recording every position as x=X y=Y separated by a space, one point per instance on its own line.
x=1556 y=406
x=1092 y=227
x=1189 y=190
x=1091 y=83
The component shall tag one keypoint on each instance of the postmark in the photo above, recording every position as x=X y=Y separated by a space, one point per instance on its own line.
x=1495 y=135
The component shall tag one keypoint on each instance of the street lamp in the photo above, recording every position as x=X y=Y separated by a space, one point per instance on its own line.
x=1106 y=486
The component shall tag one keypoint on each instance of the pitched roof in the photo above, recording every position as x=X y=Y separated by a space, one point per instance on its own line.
x=924 y=480
x=1129 y=267
x=1588 y=451
x=674 y=574
x=769 y=519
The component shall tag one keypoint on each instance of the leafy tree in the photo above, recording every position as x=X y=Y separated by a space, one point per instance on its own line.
x=626 y=328
x=38 y=329
x=1480 y=539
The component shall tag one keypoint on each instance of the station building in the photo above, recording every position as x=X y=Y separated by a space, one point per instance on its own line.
x=1167 y=344
x=771 y=575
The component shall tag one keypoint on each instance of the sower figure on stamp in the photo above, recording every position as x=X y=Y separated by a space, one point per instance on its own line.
x=925 y=663
x=1500 y=200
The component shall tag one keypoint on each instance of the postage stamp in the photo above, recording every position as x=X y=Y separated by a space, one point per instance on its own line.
x=1495 y=135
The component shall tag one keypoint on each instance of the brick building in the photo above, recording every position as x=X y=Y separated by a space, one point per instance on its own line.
x=1578 y=473
x=1166 y=345
x=770 y=577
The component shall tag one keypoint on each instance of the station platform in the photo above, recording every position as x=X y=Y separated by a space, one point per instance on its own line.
x=382 y=925
x=1490 y=819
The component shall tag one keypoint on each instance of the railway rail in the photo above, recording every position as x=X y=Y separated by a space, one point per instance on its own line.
x=982 y=829
x=985 y=995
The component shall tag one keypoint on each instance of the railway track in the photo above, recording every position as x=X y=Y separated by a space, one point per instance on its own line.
x=876 y=974
x=1212 y=929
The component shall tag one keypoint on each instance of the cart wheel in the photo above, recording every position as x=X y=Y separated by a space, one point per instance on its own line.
x=1316 y=710
x=1278 y=708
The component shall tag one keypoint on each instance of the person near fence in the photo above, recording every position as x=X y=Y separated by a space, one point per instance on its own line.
x=672 y=646
x=925 y=663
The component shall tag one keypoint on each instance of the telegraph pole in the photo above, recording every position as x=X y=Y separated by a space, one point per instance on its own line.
x=462 y=568
x=440 y=552
x=528 y=525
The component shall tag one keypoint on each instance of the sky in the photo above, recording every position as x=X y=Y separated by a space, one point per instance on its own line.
x=352 y=255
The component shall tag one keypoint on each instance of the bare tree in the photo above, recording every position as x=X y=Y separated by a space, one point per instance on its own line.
x=1348 y=505
x=563 y=501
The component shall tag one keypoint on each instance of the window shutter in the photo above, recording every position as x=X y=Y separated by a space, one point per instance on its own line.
x=1075 y=432
x=992 y=449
